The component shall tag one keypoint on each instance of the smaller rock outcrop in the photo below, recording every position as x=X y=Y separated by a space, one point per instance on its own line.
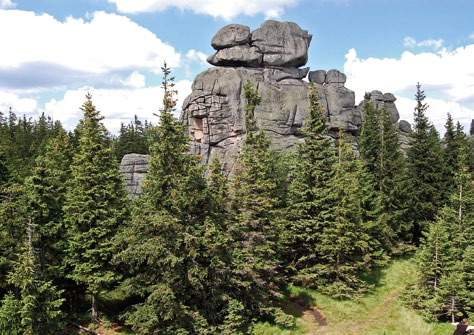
x=387 y=100
x=134 y=168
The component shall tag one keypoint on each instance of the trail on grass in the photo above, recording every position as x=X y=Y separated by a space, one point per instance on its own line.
x=378 y=312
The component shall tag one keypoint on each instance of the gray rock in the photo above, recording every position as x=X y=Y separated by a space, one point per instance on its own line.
x=335 y=77
x=239 y=55
x=388 y=100
x=404 y=130
x=214 y=111
x=274 y=44
x=231 y=35
x=134 y=168
x=318 y=77
x=283 y=44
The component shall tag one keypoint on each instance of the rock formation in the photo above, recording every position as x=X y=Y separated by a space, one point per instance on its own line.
x=271 y=57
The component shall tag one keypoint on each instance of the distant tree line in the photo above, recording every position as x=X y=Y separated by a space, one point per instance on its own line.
x=214 y=255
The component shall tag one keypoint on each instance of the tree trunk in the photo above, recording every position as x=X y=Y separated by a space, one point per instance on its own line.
x=94 y=312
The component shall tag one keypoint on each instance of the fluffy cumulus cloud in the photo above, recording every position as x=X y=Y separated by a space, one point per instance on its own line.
x=105 y=54
x=447 y=77
x=116 y=105
x=5 y=4
x=45 y=52
x=226 y=10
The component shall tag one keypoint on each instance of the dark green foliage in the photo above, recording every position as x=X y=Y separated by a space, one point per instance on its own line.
x=311 y=199
x=22 y=139
x=95 y=207
x=254 y=226
x=133 y=138
x=33 y=307
x=385 y=169
x=164 y=254
x=455 y=145
x=345 y=248
x=426 y=169
x=444 y=287
x=12 y=228
x=44 y=198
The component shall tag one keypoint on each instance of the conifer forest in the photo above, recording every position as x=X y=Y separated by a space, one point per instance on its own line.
x=204 y=252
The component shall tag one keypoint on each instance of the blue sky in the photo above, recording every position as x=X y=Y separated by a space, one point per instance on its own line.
x=54 y=51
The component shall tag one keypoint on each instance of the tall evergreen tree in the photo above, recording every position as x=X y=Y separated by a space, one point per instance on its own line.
x=455 y=145
x=44 y=198
x=426 y=169
x=444 y=286
x=384 y=162
x=34 y=306
x=345 y=248
x=311 y=199
x=95 y=207
x=254 y=224
x=164 y=250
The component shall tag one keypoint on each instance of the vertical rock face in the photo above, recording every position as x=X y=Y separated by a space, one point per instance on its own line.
x=134 y=168
x=271 y=58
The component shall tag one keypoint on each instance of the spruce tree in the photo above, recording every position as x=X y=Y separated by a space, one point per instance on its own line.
x=345 y=248
x=311 y=200
x=385 y=164
x=95 y=207
x=444 y=286
x=33 y=306
x=254 y=224
x=44 y=198
x=164 y=252
x=426 y=169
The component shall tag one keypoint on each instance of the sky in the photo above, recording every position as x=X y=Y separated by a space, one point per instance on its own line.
x=53 y=52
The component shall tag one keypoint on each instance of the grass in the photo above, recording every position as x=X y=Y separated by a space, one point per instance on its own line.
x=380 y=312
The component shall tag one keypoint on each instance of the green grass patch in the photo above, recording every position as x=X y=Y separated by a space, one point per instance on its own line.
x=379 y=312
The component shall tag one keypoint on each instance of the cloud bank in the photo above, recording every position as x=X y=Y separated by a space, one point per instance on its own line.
x=447 y=77
x=44 y=52
x=226 y=10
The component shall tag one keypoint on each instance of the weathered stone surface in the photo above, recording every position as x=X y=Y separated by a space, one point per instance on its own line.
x=335 y=77
x=214 y=111
x=274 y=44
x=134 y=168
x=318 y=77
x=270 y=58
x=282 y=43
x=231 y=35
x=404 y=130
x=379 y=100
x=239 y=55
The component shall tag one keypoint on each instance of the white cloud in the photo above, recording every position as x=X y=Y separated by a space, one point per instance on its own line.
x=5 y=4
x=471 y=36
x=44 y=51
x=447 y=77
x=410 y=42
x=116 y=105
x=19 y=106
x=226 y=10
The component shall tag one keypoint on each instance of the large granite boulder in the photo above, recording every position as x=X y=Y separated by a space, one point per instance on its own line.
x=282 y=44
